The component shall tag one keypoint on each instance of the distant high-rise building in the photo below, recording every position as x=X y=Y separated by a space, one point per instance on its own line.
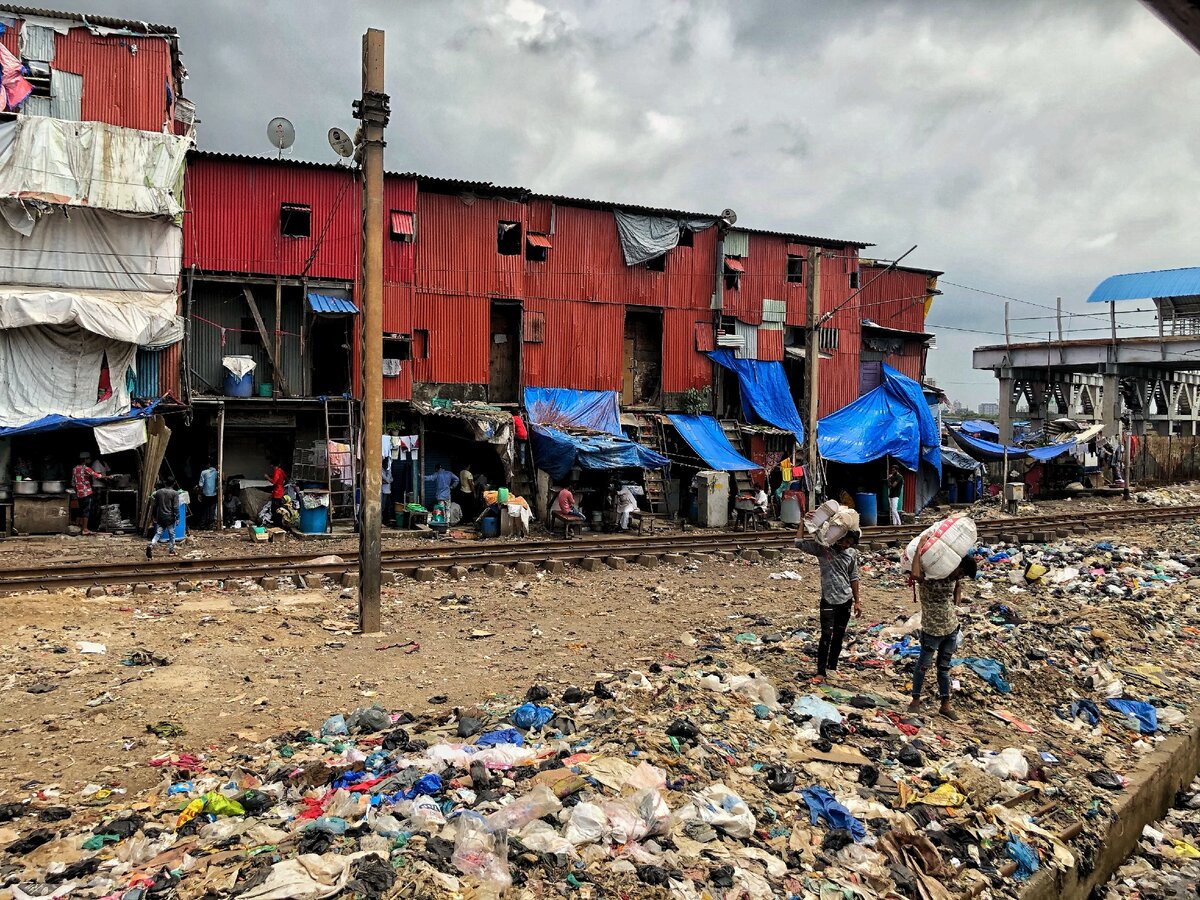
x=989 y=409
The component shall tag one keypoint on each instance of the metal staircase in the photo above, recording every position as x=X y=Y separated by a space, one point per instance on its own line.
x=333 y=461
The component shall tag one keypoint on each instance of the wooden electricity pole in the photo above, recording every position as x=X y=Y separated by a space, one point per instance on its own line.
x=812 y=351
x=373 y=110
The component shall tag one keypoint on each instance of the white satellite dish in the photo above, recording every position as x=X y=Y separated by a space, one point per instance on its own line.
x=341 y=143
x=281 y=133
x=729 y=216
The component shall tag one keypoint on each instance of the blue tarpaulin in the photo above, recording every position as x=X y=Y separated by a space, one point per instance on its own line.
x=892 y=420
x=704 y=435
x=988 y=451
x=567 y=408
x=54 y=422
x=766 y=397
x=978 y=426
x=557 y=452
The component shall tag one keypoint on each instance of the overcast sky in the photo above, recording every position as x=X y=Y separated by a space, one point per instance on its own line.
x=1029 y=149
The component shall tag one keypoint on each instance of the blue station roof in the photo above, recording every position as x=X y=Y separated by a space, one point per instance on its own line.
x=1148 y=285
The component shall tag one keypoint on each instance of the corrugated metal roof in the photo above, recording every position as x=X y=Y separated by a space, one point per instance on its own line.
x=323 y=303
x=883 y=264
x=1148 y=285
x=84 y=20
x=66 y=96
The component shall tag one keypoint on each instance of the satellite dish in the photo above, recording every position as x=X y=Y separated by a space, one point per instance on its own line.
x=281 y=133
x=341 y=143
x=729 y=216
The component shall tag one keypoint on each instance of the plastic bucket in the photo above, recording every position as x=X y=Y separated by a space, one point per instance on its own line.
x=502 y=495
x=970 y=486
x=181 y=523
x=239 y=387
x=490 y=526
x=264 y=389
x=789 y=509
x=315 y=520
x=868 y=509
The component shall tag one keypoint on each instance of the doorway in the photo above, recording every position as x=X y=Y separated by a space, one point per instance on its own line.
x=330 y=343
x=504 y=360
x=642 y=382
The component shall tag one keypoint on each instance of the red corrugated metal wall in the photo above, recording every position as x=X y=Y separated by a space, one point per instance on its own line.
x=839 y=374
x=770 y=344
x=582 y=346
x=894 y=299
x=170 y=371
x=456 y=247
x=683 y=365
x=119 y=87
x=764 y=278
x=458 y=329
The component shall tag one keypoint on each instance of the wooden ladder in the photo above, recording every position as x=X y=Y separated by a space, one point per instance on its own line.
x=733 y=433
x=341 y=468
x=649 y=434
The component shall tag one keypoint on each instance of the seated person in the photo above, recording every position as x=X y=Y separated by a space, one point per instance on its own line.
x=566 y=506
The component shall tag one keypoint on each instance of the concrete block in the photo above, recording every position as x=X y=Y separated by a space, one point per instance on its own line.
x=388 y=576
x=554 y=566
x=349 y=579
x=524 y=567
x=770 y=553
x=495 y=570
x=672 y=559
x=457 y=572
x=725 y=555
x=142 y=588
x=591 y=563
x=749 y=555
x=1008 y=537
x=615 y=562
x=184 y=586
x=270 y=583
x=97 y=590
x=647 y=561
x=425 y=574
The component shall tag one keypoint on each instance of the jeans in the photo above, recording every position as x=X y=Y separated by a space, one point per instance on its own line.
x=834 y=618
x=894 y=507
x=943 y=647
x=159 y=531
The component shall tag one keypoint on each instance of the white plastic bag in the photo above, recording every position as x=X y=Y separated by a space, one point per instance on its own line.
x=817 y=708
x=1008 y=765
x=539 y=802
x=721 y=808
x=483 y=855
x=587 y=825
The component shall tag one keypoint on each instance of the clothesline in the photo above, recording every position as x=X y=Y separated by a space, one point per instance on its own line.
x=224 y=328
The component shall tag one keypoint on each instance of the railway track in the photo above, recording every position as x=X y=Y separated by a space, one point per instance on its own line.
x=409 y=560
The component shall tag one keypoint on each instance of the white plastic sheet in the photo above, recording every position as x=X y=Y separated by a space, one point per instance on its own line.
x=93 y=164
x=120 y=436
x=238 y=366
x=133 y=317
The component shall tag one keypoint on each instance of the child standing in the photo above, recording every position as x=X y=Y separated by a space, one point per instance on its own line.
x=940 y=631
x=839 y=596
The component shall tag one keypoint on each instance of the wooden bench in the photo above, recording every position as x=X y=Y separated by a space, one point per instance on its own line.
x=643 y=519
x=568 y=522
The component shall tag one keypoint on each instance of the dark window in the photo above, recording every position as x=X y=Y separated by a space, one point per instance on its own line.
x=658 y=264
x=827 y=339
x=295 y=220
x=733 y=273
x=537 y=247
x=397 y=346
x=854 y=280
x=687 y=237
x=508 y=238
x=795 y=270
x=401 y=226
x=249 y=332
x=420 y=343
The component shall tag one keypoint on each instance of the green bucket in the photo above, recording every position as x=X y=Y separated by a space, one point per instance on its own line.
x=264 y=390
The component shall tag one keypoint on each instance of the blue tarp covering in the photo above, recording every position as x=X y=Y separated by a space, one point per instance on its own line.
x=892 y=420
x=978 y=426
x=956 y=460
x=766 y=397
x=989 y=451
x=563 y=407
x=704 y=435
x=52 y=423
x=557 y=452
x=1148 y=285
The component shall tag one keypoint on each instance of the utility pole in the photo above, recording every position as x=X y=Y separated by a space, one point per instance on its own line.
x=812 y=350
x=373 y=110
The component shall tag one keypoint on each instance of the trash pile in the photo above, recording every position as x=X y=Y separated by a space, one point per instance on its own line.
x=1166 y=862
x=1175 y=495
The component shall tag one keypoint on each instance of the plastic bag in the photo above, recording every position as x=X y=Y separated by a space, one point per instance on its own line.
x=1141 y=716
x=539 y=802
x=813 y=706
x=482 y=855
x=624 y=823
x=653 y=810
x=587 y=825
x=757 y=688
x=530 y=715
x=348 y=806
x=368 y=719
x=1023 y=856
x=721 y=808
x=542 y=838
x=647 y=776
x=501 y=736
x=334 y=725
x=1009 y=764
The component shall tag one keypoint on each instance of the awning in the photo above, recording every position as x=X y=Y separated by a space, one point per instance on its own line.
x=892 y=420
x=401 y=224
x=733 y=264
x=538 y=240
x=55 y=422
x=978 y=426
x=557 y=452
x=801 y=353
x=704 y=435
x=1148 y=285
x=766 y=396
x=988 y=451
x=956 y=460
x=327 y=305
x=564 y=407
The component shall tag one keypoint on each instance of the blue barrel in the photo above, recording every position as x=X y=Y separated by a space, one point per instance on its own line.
x=970 y=486
x=315 y=520
x=490 y=526
x=952 y=490
x=181 y=523
x=238 y=387
x=868 y=509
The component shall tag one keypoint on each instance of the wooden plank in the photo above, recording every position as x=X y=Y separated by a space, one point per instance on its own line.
x=276 y=372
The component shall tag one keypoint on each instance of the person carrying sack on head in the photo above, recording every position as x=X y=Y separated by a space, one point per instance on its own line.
x=940 y=631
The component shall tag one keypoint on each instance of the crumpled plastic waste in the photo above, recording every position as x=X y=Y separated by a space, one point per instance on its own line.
x=528 y=716
x=1022 y=854
x=721 y=808
x=990 y=670
x=823 y=807
x=500 y=736
x=817 y=709
x=1142 y=716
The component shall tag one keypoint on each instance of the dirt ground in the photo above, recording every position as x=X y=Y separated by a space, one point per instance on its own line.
x=246 y=664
